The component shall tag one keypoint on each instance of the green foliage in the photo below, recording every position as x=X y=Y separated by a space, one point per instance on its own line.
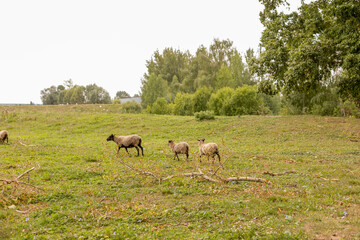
x=349 y=108
x=183 y=104
x=223 y=78
x=153 y=89
x=122 y=94
x=245 y=101
x=204 y=115
x=201 y=98
x=160 y=106
x=131 y=107
x=220 y=102
x=96 y=95
x=215 y=67
x=74 y=94
x=302 y=50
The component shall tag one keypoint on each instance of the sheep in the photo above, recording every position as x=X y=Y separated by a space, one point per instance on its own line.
x=179 y=148
x=208 y=149
x=126 y=142
x=4 y=135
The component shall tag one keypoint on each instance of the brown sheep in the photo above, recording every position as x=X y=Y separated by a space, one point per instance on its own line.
x=4 y=135
x=208 y=149
x=126 y=142
x=179 y=148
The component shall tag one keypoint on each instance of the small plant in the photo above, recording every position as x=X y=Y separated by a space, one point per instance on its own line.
x=131 y=107
x=204 y=115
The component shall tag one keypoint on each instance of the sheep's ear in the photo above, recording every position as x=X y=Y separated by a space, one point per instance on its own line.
x=203 y=139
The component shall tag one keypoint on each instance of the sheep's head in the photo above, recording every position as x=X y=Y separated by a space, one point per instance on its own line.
x=201 y=140
x=110 y=138
x=170 y=142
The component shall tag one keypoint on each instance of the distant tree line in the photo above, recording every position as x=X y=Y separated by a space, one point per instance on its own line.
x=68 y=93
x=308 y=62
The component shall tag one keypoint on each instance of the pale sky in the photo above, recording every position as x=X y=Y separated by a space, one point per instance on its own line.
x=44 y=42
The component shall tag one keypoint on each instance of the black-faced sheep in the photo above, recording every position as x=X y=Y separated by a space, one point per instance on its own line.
x=4 y=135
x=208 y=149
x=127 y=142
x=179 y=148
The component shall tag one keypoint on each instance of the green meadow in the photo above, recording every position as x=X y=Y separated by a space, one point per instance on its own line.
x=79 y=188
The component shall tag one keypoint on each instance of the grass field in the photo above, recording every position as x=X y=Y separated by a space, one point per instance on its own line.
x=87 y=194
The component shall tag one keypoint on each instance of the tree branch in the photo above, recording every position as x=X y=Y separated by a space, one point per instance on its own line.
x=278 y=174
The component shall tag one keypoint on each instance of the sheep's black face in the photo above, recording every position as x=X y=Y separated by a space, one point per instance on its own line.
x=110 y=138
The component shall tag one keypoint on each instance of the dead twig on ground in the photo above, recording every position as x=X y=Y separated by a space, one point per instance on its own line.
x=278 y=174
x=200 y=173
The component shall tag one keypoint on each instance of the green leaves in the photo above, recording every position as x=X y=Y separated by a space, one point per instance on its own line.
x=300 y=51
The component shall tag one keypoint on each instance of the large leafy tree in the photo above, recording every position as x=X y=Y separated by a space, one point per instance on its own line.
x=95 y=94
x=300 y=51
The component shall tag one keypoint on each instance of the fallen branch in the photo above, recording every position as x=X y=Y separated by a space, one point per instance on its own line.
x=200 y=173
x=278 y=174
x=17 y=180
x=249 y=179
x=26 y=145
x=139 y=171
x=325 y=179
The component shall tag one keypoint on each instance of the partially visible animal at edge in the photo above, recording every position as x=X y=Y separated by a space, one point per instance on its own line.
x=179 y=148
x=4 y=135
x=126 y=142
x=208 y=149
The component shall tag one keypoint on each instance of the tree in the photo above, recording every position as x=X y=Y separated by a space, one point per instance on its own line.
x=152 y=89
x=224 y=78
x=122 y=94
x=96 y=95
x=49 y=96
x=301 y=50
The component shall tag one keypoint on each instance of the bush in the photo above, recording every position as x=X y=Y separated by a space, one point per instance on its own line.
x=183 y=104
x=220 y=102
x=204 y=115
x=160 y=106
x=245 y=101
x=201 y=98
x=349 y=108
x=131 y=107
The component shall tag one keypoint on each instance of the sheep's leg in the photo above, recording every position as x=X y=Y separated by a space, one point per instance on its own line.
x=137 y=150
x=219 y=158
x=200 y=158
x=142 y=150
x=127 y=150
x=118 y=149
x=177 y=156
x=187 y=156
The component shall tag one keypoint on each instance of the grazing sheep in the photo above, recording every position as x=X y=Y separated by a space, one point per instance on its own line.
x=4 y=135
x=127 y=142
x=178 y=148
x=208 y=149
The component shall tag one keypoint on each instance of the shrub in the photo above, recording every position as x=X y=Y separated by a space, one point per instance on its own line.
x=183 y=104
x=131 y=107
x=245 y=101
x=204 y=115
x=220 y=102
x=349 y=108
x=201 y=98
x=160 y=106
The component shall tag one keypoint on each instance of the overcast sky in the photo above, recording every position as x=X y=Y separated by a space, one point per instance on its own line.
x=43 y=43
